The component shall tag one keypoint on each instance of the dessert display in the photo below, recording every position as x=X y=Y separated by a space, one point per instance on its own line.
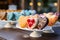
x=29 y=20
x=13 y=15
x=52 y=18
x=33 y=21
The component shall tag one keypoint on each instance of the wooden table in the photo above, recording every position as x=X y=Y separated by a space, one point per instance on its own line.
x=17 y=34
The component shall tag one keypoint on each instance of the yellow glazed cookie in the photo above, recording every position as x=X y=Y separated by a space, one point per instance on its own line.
x=23 y=21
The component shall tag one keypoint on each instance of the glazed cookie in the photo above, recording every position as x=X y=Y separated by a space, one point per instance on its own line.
x=42 y=22
x=23 y=21
x=32 y=22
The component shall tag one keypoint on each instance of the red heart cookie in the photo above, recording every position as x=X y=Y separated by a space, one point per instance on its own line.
x=31 y=23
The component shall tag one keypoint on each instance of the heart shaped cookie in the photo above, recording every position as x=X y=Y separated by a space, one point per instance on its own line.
x=43 y=21
x=22 y=21
x=32 y=22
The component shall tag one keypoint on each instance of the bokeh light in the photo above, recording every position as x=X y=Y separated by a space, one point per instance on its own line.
x=39 y=3
x=55 y=4
x=31 y=4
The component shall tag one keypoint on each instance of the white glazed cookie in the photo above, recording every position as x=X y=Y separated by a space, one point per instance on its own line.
x=43 y=21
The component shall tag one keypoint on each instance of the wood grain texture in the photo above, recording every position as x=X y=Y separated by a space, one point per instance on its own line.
x=17 y=34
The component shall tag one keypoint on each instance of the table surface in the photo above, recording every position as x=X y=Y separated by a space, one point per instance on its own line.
x=17 y=34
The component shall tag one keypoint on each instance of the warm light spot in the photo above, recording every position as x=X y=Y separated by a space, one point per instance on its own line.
x=39 y=3
x=30 y=3
x=55 y=4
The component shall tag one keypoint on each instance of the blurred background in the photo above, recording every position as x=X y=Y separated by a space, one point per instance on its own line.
x=40 y=6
